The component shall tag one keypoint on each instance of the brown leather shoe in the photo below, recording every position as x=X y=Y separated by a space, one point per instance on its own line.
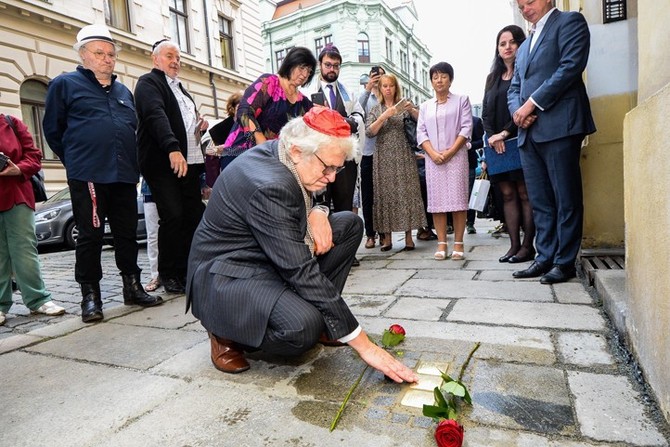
x=227 y=356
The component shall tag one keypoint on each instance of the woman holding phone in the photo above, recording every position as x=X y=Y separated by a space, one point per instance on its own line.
x=397 y=204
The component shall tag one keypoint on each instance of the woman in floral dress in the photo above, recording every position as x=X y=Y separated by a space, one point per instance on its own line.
x=397 y=204
x=269 y=103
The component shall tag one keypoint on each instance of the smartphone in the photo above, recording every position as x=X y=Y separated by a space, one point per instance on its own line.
x=374 y=71
x=319 y=98
x=4 y=161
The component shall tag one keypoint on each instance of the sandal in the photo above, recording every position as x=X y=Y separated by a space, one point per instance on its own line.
x=154 y=284
x=440 y=255
x=457 y=255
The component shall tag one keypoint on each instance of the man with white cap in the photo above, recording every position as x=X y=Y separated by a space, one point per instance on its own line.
x=90 y=123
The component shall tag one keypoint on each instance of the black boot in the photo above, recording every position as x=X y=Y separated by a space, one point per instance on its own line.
x=133 y=292
x=91 y=303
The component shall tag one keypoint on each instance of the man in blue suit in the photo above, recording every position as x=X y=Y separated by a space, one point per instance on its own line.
x=548 y=101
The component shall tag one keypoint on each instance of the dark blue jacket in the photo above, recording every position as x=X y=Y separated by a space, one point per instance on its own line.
x=92 y=131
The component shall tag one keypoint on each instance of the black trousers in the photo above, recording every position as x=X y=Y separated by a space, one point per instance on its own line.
x=295 y=324
x=341 y=191
x=180 y=208
x=118 y=203
x=367 y=194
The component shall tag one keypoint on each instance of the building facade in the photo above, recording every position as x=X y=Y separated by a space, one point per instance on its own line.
x=220 y=41
x=366 y=32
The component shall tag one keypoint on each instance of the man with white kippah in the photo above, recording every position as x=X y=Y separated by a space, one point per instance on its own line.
x=171 y=161
x=89 y=122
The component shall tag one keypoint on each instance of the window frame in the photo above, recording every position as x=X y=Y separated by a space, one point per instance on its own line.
x=178 y=17
x=227 y=40
x=363 y=48
x=114 y=18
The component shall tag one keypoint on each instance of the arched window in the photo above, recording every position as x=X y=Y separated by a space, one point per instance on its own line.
x=363 y=48
x=33 y=94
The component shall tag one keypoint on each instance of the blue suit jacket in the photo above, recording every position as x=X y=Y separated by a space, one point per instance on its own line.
x=552 y=75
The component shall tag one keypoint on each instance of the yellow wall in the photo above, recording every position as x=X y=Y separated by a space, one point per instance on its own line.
x=647 y=212
x=602 y=173
x=647 y=203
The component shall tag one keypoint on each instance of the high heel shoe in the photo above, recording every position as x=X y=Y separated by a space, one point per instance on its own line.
x=440 y=255
x=517 y=259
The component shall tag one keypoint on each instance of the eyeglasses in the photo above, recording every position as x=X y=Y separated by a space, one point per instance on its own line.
x=329 y=66
x=305 y=68
x=329 y=169
x=100 y=55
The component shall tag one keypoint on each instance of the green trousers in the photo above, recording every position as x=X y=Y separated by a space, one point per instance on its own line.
x=18 y=254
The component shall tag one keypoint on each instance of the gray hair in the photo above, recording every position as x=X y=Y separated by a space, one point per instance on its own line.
x=297 y=133
x=164 y=44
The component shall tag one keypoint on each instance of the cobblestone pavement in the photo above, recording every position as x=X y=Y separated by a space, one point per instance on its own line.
x=550 y=371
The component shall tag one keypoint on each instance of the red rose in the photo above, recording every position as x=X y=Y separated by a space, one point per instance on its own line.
x=449 y=433
x=397 y=329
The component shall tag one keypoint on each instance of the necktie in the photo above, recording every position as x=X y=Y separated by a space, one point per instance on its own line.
x=333 y=98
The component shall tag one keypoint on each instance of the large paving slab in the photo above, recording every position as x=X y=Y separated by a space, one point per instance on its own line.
x=521 y=397
x=49 y=401
x=584 y=349
x=550 y=315
x=454 y=288
x=599 y=419
x=120 y=345
x=375 y=282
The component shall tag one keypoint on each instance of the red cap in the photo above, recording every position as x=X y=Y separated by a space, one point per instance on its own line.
x=328 y=121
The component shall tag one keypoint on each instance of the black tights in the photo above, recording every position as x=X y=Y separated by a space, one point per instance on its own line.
x=518 y=214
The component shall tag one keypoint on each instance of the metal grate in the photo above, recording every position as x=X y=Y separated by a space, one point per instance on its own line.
x=602 y=259
x=614 y=10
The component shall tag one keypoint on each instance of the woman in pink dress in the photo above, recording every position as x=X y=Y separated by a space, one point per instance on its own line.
x=444 y=128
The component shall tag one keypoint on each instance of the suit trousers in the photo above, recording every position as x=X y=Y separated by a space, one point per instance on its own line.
x=295 y=324
x=341 y=191
x=118 y=203
x=554 y=184
x=180 y=209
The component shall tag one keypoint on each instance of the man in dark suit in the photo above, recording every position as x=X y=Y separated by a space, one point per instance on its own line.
x=261 y=274
x=170 y=158
x=548 y=101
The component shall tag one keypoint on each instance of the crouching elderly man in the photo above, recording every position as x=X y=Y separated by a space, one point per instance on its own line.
x=266 y=269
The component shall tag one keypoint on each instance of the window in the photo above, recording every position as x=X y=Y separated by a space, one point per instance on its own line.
x=280 y=55
x=226 y=38
x=321 y=42
x=389 y=49
x=116 y=14
x=414 y=71
x=179 y=24
x=614 y=10
x=363 y=48
x=33 y=93
x=404 y=62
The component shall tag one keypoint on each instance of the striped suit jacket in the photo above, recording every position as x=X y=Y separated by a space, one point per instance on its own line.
x=249 y=249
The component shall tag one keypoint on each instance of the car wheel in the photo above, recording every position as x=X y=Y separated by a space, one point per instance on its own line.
x=71 y=234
